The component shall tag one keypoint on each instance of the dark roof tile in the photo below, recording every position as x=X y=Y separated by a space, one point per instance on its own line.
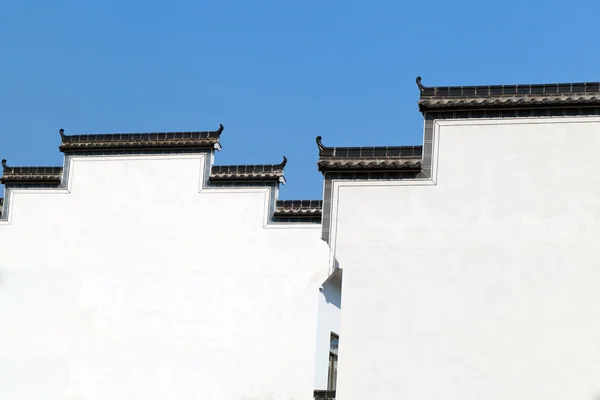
x=141 y=141
x=300 y=208
x=389 y=158
x=34 y=175
x=447 y=98
x=239 y=173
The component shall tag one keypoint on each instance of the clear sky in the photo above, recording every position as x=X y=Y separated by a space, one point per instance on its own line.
x=275 y=73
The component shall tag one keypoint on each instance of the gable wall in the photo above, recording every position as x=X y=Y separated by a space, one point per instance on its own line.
x=134 y=282
x=482 y=282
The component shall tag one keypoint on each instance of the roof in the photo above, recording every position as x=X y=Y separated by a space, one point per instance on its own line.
x=30 y=175
x=261 y=173
x=447 y=98
x=303 y=211
x=141 y=141
x=386 y=158
x=298 y=208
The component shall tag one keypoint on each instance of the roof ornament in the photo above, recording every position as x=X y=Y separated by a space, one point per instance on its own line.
x=4 y=164
x=420 y=85
x=62 y=133
x=320 y=143
x=221 y=127
x=283 y=163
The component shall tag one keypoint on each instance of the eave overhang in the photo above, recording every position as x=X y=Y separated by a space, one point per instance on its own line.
x=30 y=175
x=298 y=208
x=201 y=140
x=272 y=173
x=361 y=159
x=498 y=97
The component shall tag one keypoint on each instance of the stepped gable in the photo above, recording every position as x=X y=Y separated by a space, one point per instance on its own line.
x=498 y=97
x=366 y=159
x=141 y=141
x=253 y=173
x=30 y=175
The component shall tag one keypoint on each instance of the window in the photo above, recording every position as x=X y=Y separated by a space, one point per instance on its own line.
x=333 y=361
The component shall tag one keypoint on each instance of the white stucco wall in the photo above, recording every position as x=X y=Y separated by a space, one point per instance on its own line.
x=484 y=285
x=134 y=284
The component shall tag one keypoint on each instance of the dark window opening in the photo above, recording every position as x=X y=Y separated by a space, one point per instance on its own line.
x=333 y=361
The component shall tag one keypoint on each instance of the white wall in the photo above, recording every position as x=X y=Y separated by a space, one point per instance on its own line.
x=485 y=285
x=135 y=285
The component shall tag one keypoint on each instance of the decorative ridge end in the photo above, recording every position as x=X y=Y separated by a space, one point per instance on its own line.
x=4 y=166
x=419 y=84
x=283 y=163
x=320 y=143
x=62 y=133
x=220 y=130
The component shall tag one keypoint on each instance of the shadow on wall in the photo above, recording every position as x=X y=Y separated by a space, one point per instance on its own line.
x=332 y=287
x=332 y=291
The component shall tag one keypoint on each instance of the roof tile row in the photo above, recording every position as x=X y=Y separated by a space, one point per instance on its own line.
x=508 y=96
x=263 y=172
x=385 y=158
x=30 y=174
x=132 y=141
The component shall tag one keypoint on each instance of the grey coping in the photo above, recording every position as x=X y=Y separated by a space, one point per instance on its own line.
x=34 y=175
x=261 y=172
x=384 y=158
x=440 y=98
x=300 y=208
x=149 y=141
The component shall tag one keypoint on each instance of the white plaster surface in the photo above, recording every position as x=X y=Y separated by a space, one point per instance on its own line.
x=485 y=285
x=133 y=285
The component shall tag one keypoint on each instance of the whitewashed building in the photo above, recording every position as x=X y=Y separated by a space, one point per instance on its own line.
x=465 y=268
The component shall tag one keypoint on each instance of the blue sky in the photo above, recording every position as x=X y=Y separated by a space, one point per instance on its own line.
x=275 y=73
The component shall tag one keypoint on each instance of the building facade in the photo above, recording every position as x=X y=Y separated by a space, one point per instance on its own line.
x=460 y=269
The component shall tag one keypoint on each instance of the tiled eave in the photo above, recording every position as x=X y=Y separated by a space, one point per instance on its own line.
x=141 y=141
x=298 y=208
x=254 y=173
x=508 y=96
x=353 y=159
x=366 y=164
x=30 y=175
x=457 y=103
